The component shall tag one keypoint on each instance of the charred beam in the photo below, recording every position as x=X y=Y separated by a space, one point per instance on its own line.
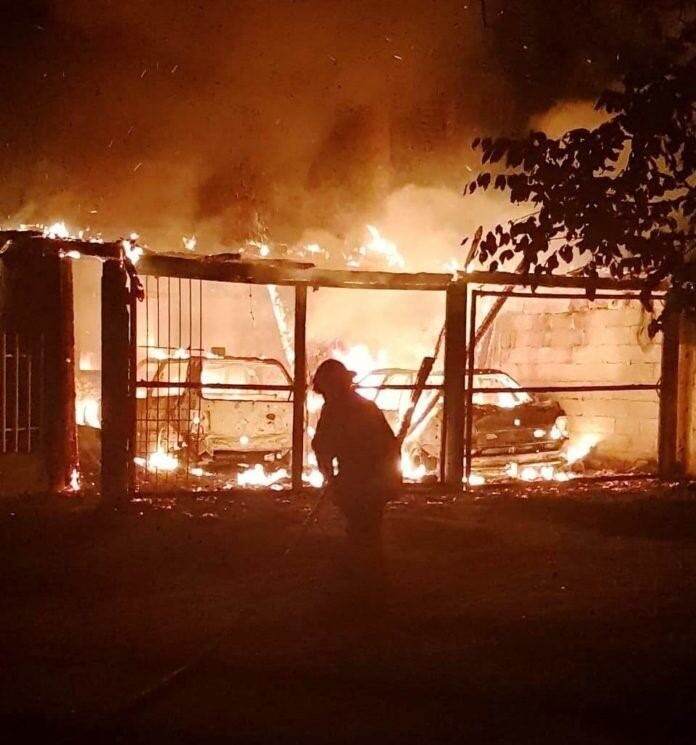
x=453 y=422
x=275 y=273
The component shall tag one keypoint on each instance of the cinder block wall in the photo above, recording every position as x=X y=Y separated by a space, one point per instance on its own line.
x=576 y=342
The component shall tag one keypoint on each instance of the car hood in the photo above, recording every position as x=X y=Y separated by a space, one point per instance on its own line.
x=534 y=414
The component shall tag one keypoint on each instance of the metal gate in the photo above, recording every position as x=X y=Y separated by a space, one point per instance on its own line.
x=185 y=386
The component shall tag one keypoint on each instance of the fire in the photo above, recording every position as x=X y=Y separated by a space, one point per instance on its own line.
x=87 y=361
x=87 y=413
x=314 y=478
x=256 y=476
x=580 y=448
x=57 y=230
x=132 y=251
x=285 y=330
x=190 y=242
x=74 y=480
x=158 y=461
x=360 y=360
x=409 y=470
x=314 y=403
x=545 y=472
x=383 y=247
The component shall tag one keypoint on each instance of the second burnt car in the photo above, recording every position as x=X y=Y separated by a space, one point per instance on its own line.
x=511 y=428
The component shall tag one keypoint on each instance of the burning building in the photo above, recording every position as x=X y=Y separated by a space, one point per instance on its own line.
x=195 y=374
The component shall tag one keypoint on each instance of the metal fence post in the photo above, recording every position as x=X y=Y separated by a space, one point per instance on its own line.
x=116 y=407
x=669 y=395
x=455 y=388
x=299 y=386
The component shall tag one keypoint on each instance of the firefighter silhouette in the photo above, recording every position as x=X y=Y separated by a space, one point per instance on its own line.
x=353 y=433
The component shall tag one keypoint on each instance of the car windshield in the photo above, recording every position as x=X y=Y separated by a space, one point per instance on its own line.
x=502 y=399
x=242 y=372
x=397 y=400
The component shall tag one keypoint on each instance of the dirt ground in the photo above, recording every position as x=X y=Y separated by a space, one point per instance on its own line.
x=566 y=616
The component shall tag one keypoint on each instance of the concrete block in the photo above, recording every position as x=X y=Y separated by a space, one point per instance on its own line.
x=566 y=337
x=648 y=427
x=601 y=425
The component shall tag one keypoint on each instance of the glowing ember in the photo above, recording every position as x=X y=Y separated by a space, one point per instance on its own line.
x=529 y=473
x=256 y=476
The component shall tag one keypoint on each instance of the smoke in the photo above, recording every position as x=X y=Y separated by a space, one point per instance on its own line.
x=226 y=120
x=299 y=122
x=567 y=115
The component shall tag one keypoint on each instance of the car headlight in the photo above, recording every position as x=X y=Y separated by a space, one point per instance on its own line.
x=560 y=428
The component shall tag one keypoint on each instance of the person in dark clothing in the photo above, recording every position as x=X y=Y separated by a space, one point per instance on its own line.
x=353 y=432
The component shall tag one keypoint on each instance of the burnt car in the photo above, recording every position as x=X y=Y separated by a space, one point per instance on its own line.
x=510 y=429
x=186 y=412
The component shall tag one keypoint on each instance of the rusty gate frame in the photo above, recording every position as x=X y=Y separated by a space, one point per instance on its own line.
x=475 y=335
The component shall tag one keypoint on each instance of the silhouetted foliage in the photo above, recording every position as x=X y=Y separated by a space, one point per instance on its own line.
x=621 y=196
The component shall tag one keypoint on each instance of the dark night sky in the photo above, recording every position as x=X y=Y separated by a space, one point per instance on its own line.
x=169 y=115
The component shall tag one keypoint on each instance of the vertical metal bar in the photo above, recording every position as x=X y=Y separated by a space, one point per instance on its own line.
x=299 y=386
x=168 y=399
x=145 y=426
x=202 y=355
x=4 y=392
x=16 y=398
x=42 y=390
x=193 y=440
x=160 y=392
x=132 y=387
x=29 y=394
x=454 y=385
x=115 y=385
x=469 y=411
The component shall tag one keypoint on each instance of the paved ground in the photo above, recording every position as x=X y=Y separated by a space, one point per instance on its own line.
x=565 y=617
